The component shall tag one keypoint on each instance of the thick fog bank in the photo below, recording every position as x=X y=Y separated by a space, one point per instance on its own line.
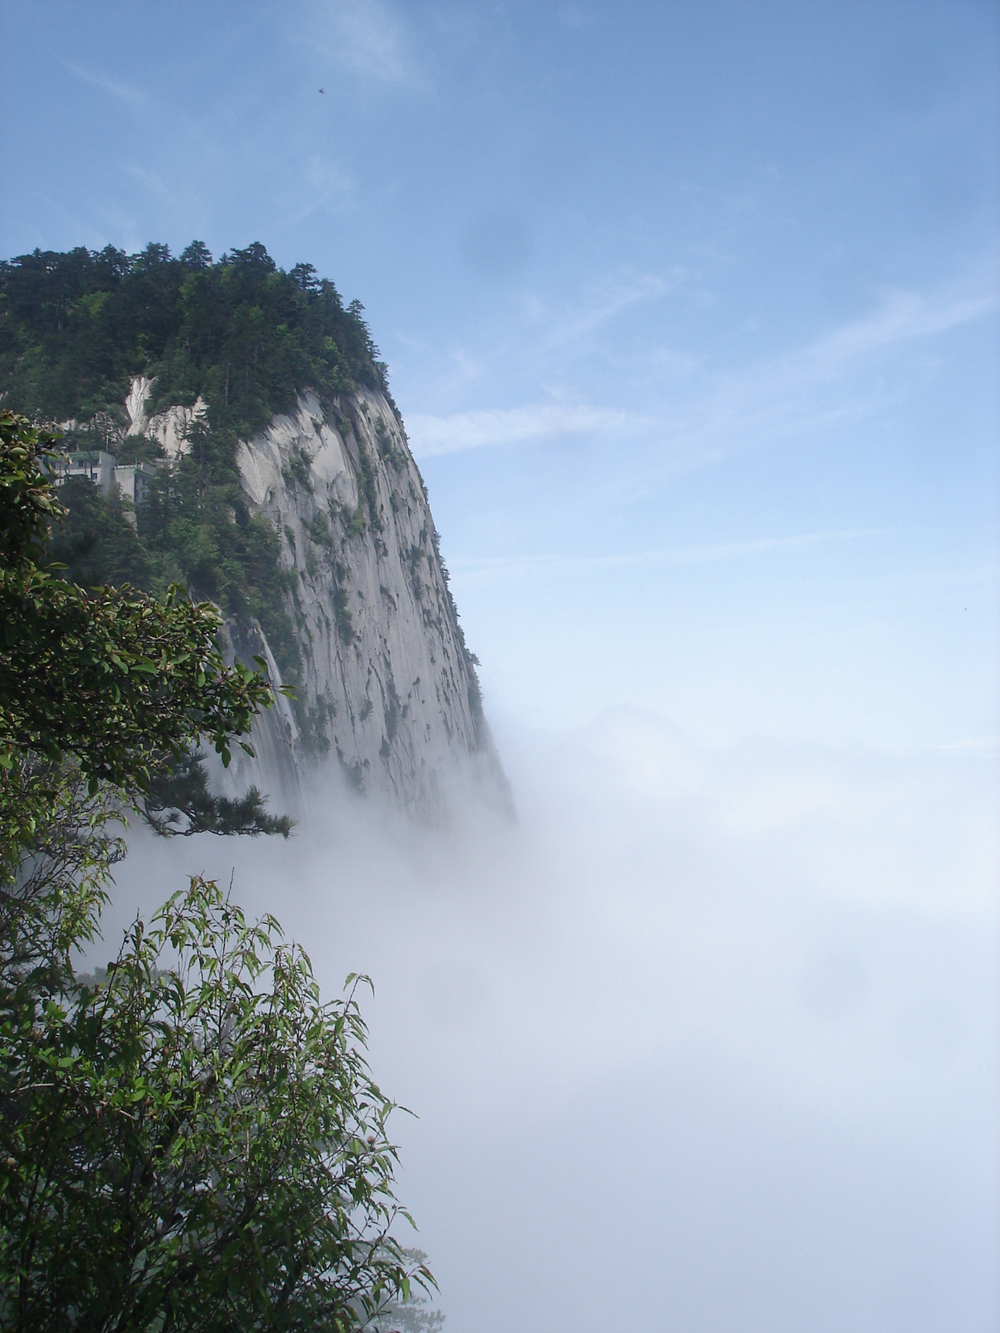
x=703 y=1042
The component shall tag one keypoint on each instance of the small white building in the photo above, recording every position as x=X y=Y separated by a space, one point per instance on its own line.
x=133 y=481
x=95 y=465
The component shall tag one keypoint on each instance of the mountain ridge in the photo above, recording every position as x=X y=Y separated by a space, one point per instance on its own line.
x=280 y=485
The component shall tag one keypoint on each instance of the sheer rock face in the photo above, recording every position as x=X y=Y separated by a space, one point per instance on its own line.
x=386 y=682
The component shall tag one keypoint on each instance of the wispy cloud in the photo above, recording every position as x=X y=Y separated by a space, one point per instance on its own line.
x=370 y=38
x=690 y=415
x=606 y=301
x=814 y=387
x=125 y=92
x=901 y=316
x=978 y=744
x=572 y=566
x=434 y=435
x=151 y=180
x=326 y=188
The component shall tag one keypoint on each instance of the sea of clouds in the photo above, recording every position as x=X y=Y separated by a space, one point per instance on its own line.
x=702 y=1041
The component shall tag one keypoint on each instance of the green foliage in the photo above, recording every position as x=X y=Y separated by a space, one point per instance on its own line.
x=342 y=617
x=243 y=334
x=367 y=488
x=388 y=450
x=117 y=678
x=195 y=526
x=355 y=522
x=58 y=855
x=27 y=499
x=179 y=802
x=319 y=531
x=296 y=474
x=414 y=1315
x=195 y=1143
x=95 y=541
x=314 y=725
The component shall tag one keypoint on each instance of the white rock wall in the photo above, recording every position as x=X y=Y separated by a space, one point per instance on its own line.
x=168 y=427
x=386 y=681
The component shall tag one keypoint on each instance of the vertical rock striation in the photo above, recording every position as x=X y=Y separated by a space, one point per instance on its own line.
x=386 y=683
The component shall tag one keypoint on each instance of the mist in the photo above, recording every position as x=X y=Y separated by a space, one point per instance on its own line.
x=702 y=1040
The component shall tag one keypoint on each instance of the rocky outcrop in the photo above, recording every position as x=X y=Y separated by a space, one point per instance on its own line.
x=169 y=427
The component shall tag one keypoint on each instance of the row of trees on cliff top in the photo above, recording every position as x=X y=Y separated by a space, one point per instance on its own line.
x=241 y=333
x=191 y=1139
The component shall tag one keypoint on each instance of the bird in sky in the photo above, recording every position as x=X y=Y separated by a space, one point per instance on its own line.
x=322 y=90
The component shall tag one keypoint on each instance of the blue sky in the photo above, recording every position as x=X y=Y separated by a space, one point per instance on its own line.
x=690 y=310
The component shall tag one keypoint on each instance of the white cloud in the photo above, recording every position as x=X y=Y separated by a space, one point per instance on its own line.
x=328 y=187
x=902 y=315
x=152 y=180
x=811 y=388
x=839 y=377
x=328 y=178
x=689 y=1000
x=434 y=435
